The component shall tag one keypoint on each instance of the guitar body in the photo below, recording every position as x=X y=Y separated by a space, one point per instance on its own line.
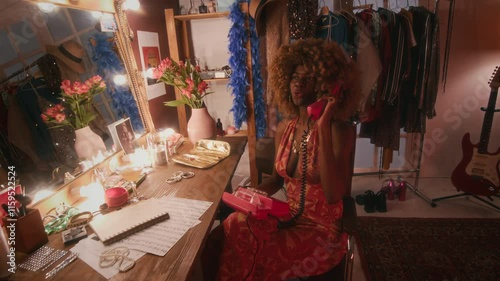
x=477 y=173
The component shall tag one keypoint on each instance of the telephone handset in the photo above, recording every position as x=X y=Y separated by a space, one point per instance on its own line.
x=315 y=109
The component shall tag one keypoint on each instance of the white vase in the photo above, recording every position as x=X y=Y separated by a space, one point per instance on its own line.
x=201 y=125
x=88 y=143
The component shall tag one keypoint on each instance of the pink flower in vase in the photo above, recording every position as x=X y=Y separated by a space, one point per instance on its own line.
x=202 y=87
x=60 y=117
x=187 y=93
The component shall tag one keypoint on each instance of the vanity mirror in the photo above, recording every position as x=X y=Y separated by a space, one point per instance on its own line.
x=43 y=43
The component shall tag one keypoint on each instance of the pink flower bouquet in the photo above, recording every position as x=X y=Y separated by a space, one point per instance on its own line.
x=185 y=77
x=78 y=98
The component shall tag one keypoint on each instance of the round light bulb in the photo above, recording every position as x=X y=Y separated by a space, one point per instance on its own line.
x=46 y=7
x=96 y=15
x=133 y=5
x=149 y=73
x=169 y=132
x=120 y=79
x=42 y=194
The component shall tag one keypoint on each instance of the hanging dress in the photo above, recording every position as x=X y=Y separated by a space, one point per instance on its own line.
x=313 y=246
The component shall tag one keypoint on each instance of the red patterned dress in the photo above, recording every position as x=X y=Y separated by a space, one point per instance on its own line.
x=311 y=247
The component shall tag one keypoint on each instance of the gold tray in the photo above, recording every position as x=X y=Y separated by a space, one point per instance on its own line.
x=205 y=154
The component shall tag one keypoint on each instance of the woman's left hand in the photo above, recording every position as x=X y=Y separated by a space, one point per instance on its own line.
x=328 y=113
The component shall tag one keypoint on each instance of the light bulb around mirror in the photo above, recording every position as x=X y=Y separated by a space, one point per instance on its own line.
x=46 y=7
x=133 y=5
x=120 y=79
x=97 y=15
x=150 y=73
x=41 y=194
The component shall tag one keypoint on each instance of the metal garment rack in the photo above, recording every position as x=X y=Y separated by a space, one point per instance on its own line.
x=413 y=187
x=20 y=71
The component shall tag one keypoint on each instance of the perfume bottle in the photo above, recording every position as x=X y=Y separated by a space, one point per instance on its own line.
x=182 y=10
x=192 y=8
x=203 y=8
x=220 y=130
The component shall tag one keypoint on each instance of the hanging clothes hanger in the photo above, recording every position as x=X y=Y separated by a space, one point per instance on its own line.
x=348 y=14
x=324 y=9
x=362 y=6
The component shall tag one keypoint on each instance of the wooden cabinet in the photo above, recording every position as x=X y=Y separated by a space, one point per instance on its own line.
x=180 y=48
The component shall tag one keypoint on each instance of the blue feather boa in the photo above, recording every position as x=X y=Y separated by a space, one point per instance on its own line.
x=108 y=65
x=239 y=80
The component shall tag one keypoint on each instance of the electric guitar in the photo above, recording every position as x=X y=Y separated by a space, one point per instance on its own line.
x=478 y=173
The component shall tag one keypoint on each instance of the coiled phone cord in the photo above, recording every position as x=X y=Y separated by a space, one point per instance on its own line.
x=303 y=179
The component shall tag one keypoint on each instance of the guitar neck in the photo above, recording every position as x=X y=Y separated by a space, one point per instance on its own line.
x=487 y=122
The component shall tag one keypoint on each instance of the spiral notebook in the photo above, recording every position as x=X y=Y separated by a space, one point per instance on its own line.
x=119 y=224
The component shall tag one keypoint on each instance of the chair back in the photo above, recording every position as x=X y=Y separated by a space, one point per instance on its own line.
x=264 y=156
x=352 y=157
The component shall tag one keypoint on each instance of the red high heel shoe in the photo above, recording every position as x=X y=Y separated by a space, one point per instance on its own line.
x=388 y=189
x=402 y=191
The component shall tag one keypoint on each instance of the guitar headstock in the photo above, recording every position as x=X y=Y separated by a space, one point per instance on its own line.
x=495 y=79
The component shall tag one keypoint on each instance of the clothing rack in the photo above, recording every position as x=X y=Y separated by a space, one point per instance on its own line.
x=362 y=7
x=416 y=170
x=22 y=70
x=413 y=187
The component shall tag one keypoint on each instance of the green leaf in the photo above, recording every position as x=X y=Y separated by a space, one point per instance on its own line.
x=174 y=103
x=87 y=118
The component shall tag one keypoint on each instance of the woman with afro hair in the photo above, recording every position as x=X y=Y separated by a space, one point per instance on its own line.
x=312 y=163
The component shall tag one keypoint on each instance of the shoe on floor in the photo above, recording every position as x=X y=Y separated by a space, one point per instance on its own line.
x=361 y=199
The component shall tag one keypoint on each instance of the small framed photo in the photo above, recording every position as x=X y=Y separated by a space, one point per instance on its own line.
x=108 y=24
x=123 y=135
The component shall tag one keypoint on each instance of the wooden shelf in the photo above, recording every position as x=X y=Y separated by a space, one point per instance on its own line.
x=178 y=40
x=202 y=16
x=240 y=133
x=216 y=79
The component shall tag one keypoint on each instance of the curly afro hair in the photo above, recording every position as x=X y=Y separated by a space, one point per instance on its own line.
x=326 y=63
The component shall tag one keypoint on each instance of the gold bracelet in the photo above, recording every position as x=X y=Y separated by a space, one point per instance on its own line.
x=80 y=219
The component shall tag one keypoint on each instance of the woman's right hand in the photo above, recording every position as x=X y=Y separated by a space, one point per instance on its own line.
x=328 y=113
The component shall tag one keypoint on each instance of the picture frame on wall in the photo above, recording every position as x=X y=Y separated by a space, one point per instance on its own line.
x=123 y=135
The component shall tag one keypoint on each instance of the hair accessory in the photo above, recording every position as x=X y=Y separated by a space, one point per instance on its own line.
x=80 y=219
x=118 y=255
x=60 y=221
x=178 y=176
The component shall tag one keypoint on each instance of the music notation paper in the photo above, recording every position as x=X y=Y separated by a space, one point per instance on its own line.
x=159 y=238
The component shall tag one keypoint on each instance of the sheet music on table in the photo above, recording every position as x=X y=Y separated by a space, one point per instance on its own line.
x=90 y=248
x=159 y=238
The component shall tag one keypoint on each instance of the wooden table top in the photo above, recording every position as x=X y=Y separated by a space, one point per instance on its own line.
x=177 y=264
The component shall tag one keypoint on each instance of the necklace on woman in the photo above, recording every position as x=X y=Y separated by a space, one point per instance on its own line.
x=296 y=147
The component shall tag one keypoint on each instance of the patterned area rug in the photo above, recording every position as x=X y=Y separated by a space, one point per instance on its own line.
x=429 y=249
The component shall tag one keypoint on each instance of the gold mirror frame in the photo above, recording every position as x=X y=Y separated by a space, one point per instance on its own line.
x=123 y=37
